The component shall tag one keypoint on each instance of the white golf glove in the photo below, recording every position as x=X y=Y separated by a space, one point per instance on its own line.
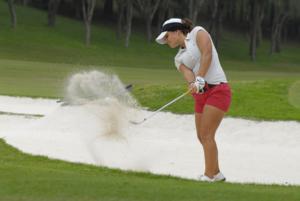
x=199 y=84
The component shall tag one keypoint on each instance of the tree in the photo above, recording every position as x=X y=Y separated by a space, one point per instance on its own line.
x=12 y=11
x=148 y=9
x=279 y=10
x=129 y=11
x=125 y=13
x=172 y=7
x=194 y=7
x=256 y=13
x=217 y=9
x=52 y=10
x=88 y=7
x=121 y=12
x=162 y=11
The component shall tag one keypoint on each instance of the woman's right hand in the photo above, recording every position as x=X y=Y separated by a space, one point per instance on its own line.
x=198 y=85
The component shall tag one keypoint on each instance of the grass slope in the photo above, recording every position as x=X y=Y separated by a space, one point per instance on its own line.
x=33 y=40
x=28 y=178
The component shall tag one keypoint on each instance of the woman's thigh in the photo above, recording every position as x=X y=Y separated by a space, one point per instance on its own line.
x=208 y=122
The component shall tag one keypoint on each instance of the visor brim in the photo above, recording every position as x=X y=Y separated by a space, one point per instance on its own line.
x=161 y=38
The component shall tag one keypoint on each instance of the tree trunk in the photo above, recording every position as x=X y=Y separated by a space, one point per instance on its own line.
x=255 y=22
x=162 y=10
x=87 y=33
x=52 y=10
x=88 y=11
x=279 y=18
x=219 y=24
x=148 y=8
x=214 y=11
x=260 y=19
x=252 y=27
x=12 y=11
x=278 y=39
x=129 y=11
x=216 y=21
x=121 y=9
x=194 y=7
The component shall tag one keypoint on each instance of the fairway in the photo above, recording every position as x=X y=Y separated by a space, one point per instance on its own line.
x=39 y=178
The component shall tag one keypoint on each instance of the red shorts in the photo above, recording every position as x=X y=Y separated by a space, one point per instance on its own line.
x=218 y=96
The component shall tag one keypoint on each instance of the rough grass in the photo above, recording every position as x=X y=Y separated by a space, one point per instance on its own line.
x=29 y=178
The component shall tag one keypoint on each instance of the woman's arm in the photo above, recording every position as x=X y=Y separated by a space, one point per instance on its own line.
x=205 y=47
x=187 y=73
x=189 y=76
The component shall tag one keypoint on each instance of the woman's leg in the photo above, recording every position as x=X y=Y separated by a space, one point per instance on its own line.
x=206 y=125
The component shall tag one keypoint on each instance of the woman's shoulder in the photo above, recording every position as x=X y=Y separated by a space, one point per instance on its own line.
x=195 y=30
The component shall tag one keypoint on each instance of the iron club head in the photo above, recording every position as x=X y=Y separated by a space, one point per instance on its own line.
x=137 y=122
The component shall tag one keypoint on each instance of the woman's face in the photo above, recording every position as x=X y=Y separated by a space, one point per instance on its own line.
x=172 y=38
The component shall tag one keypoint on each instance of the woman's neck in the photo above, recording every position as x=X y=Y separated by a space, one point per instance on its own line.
x=182 y=41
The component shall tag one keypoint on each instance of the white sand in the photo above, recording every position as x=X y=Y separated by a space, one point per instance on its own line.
x=27 y=105
x=99 y=133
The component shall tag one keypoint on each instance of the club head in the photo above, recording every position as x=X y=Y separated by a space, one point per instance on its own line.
x=128 y=87
x=137 y=122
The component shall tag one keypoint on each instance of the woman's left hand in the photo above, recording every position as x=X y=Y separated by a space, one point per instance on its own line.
x=198 y=85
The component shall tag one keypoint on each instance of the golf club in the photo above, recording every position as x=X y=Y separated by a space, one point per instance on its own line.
x=158 y=110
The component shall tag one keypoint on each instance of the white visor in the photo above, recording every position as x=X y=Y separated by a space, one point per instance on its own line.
x=161 y=38
x=169 y=25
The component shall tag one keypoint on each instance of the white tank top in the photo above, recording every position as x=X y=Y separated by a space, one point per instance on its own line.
x=191 y=56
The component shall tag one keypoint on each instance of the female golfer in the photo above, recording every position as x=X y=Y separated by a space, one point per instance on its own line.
x=198 y=61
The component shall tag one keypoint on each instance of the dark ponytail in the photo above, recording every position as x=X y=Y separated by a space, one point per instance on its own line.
x=188 y=24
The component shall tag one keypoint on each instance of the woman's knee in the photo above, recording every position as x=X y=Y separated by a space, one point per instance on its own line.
x=205 y=137
x=199 y=137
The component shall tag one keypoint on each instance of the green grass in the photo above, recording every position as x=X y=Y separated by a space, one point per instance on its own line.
x=265 y=99
x=36 y=60
x=256 y=95
x=25 y=178
x=34 y=41
x=294 y=94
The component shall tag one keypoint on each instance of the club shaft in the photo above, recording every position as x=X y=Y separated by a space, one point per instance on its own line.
x=166 y=105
